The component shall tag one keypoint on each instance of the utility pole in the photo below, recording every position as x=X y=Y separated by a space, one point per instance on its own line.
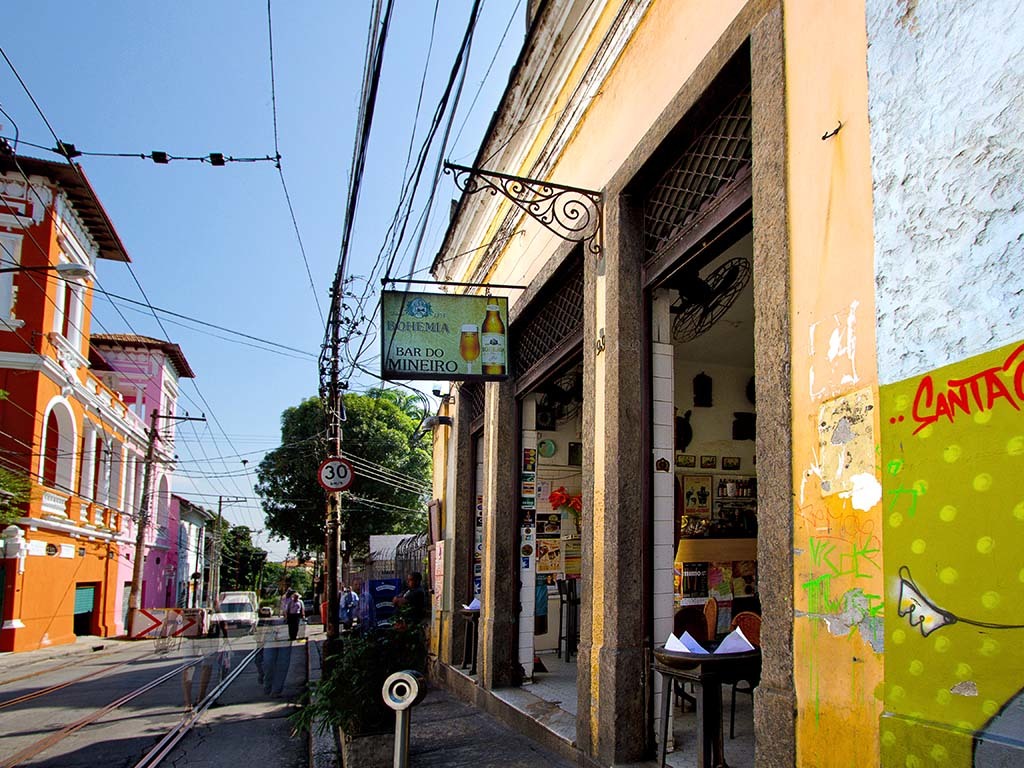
x=142 y=517
x=335 y=409
x=141 y=523
x=218 y=554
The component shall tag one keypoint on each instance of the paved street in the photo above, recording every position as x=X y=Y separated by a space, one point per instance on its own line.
x=63 y=710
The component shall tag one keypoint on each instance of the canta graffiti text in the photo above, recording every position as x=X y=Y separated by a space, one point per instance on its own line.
x=982 y=391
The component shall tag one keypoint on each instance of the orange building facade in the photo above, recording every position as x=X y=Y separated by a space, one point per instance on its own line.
x=78 y=440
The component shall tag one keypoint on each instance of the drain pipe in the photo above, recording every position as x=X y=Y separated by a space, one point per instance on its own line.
x=402 y=691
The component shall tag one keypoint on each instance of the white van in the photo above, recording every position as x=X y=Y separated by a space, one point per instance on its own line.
x=239 y=609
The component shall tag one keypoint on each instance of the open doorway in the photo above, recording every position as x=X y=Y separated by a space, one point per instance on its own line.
x=705 y=529
x=550 y=539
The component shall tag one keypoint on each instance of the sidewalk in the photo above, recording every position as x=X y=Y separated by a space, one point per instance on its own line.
x=13 y=664
x=447 y=732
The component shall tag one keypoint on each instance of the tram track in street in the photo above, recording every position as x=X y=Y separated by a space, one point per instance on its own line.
x=59 y=686
x=50 y=740
x=170 y=740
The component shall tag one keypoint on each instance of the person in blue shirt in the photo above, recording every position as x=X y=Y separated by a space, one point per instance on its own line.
x=348 y=607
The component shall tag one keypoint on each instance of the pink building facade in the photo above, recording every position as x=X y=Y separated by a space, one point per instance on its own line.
x=146 y=373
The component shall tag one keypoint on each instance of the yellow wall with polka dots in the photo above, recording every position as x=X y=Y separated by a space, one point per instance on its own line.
x=953 y=493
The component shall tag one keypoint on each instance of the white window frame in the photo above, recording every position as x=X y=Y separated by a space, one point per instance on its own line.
x=10 y=256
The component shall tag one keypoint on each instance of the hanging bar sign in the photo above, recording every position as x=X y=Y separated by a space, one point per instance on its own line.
x=443 y=338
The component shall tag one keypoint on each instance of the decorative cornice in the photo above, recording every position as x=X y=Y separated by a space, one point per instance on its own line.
x=72 y=234
x=50 y=524
x=610 y=49
x=21 y=197
x=133 y=430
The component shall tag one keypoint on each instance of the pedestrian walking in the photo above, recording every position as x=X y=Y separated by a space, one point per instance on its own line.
x=293 y=614
x=349 y=606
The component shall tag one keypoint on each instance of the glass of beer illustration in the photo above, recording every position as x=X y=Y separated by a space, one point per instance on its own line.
x=469 y=345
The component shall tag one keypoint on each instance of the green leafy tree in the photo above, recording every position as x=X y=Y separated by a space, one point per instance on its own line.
x=14 y=491
x=391 y=482
x=241 y=561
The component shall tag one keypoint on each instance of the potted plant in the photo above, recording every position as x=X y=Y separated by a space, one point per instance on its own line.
x=348 y=696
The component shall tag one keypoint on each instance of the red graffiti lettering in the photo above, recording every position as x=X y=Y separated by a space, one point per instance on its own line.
x=979 y=392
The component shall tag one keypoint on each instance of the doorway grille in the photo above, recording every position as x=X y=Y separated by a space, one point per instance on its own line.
x=556 y=320
x=692 y=181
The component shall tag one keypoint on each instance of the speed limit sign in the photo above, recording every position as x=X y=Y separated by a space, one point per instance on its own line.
x=335 y=474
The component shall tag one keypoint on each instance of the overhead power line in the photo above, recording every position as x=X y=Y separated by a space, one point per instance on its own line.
x=207 y=324
x=70 y=151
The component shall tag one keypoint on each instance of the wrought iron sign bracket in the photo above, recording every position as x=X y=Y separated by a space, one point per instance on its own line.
x=571 y=213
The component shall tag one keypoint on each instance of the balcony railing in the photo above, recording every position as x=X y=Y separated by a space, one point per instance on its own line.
x=54 y=503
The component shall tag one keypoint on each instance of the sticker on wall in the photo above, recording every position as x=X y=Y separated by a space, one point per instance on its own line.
x=526 y=550
x=530 y=459
x=547 y=448
x=846 y=448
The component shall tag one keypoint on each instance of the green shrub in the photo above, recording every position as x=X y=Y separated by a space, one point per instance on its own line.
x=349 y=695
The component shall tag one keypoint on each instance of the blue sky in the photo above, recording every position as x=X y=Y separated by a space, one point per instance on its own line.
x=217 y=244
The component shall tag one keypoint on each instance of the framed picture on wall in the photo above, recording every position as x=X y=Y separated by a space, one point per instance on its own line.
x=730 y=462
x=686 y=460
x=697 y=495
x=708 y=462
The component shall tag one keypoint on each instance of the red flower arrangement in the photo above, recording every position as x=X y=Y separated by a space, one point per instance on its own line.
x=560 y=497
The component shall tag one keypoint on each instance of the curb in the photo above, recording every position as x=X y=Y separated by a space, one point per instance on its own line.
x=323 y=747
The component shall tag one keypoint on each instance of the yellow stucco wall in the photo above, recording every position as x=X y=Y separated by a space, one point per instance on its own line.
x=838 y=587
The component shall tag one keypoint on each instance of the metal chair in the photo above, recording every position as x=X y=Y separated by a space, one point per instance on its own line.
x=568 y=617
x=750 y=624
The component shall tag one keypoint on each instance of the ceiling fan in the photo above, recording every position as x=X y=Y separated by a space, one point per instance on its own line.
x=703 y=302
x=562 y=397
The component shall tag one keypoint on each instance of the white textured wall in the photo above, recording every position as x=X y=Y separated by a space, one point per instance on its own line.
x=946 y=104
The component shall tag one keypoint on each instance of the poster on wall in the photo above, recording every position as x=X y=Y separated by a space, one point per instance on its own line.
x=549 y=555
x=572 y=558
x=439 y=337
x=437 y=581
x=697 y=495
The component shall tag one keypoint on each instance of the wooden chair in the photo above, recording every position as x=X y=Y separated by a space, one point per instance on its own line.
x=692 y=619
x=750 y=624
x=711 y=617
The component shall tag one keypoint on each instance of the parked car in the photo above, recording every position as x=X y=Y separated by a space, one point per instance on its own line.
x=265 y=612
x=311 y=609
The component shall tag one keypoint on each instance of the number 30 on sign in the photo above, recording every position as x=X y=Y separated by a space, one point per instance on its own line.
x=335 y=474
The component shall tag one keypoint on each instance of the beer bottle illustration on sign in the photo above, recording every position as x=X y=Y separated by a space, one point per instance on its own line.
x=469 y=345
x=492 y=339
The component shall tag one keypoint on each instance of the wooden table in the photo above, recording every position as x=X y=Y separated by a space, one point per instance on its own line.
x=708 y=671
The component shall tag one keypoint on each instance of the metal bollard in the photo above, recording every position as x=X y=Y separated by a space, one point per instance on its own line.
x=401 y=691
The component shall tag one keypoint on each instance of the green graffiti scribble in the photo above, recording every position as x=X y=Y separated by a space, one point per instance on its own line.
x=823 y=553
x=900 y=492
x=895 y=466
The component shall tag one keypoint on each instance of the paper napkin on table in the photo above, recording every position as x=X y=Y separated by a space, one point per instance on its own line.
x=735 y=642
x=684 y=644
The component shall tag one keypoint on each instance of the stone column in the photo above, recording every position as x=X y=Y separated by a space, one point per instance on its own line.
x=775 y=697
x=500 y=589
x=612 y=725
x=461 y=500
